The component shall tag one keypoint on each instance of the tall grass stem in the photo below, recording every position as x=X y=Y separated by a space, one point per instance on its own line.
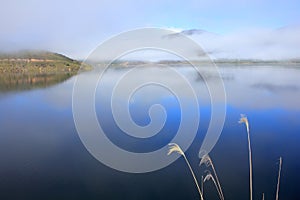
x=278 y=180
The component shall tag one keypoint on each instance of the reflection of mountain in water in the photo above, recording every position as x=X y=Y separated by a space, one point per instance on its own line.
x=26 y=70
x=276 y=88
x=17 y=81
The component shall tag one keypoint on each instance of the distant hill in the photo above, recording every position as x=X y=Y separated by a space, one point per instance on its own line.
x=37 y=62
x=38 y=55
x=26 y=70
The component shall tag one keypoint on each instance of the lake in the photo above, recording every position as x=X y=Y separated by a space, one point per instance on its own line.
x=43 y=157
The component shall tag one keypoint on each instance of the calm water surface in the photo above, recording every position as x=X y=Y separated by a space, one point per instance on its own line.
x=42 y=156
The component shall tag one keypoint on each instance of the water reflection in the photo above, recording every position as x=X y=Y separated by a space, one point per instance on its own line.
x=263 y=87
x=276 y=88
x=18 y=82
x=256 y=87
x=43 y=157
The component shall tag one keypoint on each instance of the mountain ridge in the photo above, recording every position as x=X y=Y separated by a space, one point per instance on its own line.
x=27 y=61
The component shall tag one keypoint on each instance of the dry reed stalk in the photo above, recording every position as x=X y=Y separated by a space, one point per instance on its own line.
x=278 y=180
x=175 y=148
x=244 y=119
x=210 y=176
x=202 y=183
x=208 y=162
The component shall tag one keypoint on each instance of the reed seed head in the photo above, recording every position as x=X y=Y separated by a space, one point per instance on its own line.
x=243 y=119
x=206 y=160
x=208 y=177
x=173 y=147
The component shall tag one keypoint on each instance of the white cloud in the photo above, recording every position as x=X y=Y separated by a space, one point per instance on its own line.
x=76 y=27
x=262 y=44
x=253 y=44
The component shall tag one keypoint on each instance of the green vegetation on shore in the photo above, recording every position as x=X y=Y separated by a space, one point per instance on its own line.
x=31 y=62
x=36 y=69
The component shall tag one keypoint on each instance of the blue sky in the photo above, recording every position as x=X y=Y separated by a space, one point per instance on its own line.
x=77 y=27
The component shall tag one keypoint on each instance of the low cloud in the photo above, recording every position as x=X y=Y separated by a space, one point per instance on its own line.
x=262 y=44
x=76 y=28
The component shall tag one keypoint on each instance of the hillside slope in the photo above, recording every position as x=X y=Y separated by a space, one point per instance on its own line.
x=37 y=62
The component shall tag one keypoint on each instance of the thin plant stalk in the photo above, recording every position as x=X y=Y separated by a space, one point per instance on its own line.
x=244 y=119
x=196 y=182
x=207 y=160
x=175 y=148
x=202 y=183
x=218 y=182
x=278 y=180
x=210 y=176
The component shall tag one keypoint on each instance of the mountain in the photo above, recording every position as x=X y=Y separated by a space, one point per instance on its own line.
x=41 y=55
x=37 y=62
x=26 y=70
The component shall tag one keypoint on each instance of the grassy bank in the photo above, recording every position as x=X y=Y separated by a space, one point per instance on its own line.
x=35 y=69
x=32 y=62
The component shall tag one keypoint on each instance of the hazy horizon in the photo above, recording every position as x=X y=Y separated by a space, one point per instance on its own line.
x=233 y=29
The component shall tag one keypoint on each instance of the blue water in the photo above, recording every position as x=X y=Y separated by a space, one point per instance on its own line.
x=42 y=156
